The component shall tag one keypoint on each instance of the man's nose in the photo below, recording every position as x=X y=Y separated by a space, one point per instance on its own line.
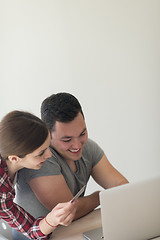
x=76 y=143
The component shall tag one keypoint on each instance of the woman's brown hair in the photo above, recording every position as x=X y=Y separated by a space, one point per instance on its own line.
x=21 y=133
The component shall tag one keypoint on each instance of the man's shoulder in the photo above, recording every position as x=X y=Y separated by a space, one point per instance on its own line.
x=50 y=167
x=89 y=147
x=92 y=148
x=90 y=143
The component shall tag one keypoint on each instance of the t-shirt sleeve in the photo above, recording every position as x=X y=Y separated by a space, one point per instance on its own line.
x=49 y=168
x=93 y=151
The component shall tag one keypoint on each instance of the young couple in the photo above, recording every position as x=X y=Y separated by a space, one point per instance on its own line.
x=59 y=171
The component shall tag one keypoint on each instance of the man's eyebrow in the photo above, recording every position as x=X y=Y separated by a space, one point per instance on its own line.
x=64 y=137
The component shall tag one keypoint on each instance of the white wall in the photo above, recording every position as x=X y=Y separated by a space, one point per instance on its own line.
x=107 y=53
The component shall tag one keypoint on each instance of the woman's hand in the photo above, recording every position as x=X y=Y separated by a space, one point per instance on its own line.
x=61 y=214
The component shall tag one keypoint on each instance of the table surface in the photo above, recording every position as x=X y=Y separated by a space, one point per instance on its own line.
x=75 y=229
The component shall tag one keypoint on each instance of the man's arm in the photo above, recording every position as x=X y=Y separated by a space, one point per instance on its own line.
x=106 y=175
x=51 y=190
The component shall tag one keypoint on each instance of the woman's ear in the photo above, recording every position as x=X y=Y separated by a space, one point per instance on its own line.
x=13 y=158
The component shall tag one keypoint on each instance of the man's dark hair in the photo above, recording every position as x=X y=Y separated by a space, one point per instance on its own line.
x=61 y=107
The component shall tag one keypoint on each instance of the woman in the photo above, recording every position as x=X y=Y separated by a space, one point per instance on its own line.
x=24 y=142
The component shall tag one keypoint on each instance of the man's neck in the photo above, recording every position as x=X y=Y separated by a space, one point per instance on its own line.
x=72 y=165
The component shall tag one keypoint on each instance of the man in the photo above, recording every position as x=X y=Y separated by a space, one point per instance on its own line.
x=75 y=158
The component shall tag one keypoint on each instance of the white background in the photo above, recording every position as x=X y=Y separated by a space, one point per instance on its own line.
x=106 y=53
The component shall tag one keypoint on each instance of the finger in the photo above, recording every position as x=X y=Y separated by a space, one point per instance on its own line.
x=66 y=208
x=63 y=215
x=68 y=219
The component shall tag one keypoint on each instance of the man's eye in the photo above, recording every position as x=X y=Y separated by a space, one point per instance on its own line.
x=67 y=140
x=82 y=134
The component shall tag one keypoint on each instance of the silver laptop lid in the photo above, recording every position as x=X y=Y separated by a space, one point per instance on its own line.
x=131 y=211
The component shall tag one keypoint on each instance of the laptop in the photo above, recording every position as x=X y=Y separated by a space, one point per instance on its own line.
x=129 y=212
x=9 y=233
x=5 y=231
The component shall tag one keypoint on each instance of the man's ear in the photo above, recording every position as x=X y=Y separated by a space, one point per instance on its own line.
x=13 y=158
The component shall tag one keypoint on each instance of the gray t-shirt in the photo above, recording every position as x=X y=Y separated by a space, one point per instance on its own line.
x=56 y=165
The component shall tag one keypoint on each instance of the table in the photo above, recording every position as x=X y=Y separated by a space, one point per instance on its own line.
x=75 y=229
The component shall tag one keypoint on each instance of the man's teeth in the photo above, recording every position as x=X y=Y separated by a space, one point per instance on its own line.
x=76 y=150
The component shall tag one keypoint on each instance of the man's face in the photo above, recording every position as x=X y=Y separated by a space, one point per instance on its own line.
x=68 y=139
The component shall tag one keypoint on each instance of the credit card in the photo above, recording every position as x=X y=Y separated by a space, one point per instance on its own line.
x=78 y=194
